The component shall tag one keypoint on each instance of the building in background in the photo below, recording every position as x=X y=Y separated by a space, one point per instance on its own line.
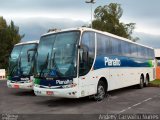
x=157 y=57
x=2 y=74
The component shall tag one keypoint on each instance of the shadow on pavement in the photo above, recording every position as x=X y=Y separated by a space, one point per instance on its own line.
x=24 y=93
x=56 y=102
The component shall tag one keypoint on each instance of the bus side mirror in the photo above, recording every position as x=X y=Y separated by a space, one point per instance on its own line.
x=29 y=57
x=81 y=51
x=83 y=56
x=86 y=57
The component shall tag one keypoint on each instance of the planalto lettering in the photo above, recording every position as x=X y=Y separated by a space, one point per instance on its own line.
x=24 y=79
x=112 y=62
x=63 y=82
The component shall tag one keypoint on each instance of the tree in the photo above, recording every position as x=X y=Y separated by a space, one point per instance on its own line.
x=107 y=18
x=9 y=36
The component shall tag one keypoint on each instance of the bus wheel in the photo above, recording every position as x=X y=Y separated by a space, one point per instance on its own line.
x=141 y=84
x=100 y=91
x=146 y=81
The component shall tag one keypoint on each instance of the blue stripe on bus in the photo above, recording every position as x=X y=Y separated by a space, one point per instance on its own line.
x=18 y=78
x=45 y=82
x=124 y=62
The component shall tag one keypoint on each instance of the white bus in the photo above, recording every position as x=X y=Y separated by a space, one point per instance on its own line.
x=21 y=63
x=80 y=62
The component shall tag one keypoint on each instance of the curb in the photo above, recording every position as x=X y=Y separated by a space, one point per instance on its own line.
x=3 y=79
x=153 y=85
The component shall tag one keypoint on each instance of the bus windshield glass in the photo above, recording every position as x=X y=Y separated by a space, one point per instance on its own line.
x=21 y=59
x=57 y=55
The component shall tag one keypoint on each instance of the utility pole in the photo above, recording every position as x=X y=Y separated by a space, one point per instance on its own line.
x=91 y=2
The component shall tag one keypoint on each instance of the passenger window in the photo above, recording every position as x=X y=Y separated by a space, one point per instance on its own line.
x=103 y=45
x=87 y=52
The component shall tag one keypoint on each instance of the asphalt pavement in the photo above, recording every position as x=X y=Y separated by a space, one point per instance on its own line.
x=128 y=100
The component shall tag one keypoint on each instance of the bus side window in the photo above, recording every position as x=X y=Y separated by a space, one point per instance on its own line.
x=103 y=45
x=126 y=48
x=134 y=50
x=87 y=52
x=116 y=46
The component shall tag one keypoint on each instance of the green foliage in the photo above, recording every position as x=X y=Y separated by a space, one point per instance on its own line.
x=9 y=35
x=107 y=18
x=155 y=82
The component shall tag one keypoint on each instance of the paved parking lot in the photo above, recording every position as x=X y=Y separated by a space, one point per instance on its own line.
x=128 y=100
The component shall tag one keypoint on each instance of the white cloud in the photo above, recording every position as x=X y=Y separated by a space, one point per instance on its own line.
x=146 y=26
x=33 y=28
x=148 y=30
x=35 y=17
x=149 y=40
x=55 y=15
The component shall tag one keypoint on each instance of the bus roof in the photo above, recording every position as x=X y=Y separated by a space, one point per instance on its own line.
x=27 y=42
x=97 y=31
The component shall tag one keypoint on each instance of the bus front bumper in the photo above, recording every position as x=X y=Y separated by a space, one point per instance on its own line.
x=63 y=93
x=17 y=85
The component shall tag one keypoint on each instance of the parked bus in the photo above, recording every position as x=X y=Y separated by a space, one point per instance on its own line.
x=21 y=63
x=81 y=62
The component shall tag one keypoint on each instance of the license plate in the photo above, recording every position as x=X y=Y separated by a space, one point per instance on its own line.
x=16 y=86
x=49 y=92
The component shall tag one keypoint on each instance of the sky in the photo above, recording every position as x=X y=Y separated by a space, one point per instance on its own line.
x=35 y=17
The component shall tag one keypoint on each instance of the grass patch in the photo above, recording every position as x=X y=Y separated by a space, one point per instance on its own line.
x=155 y=83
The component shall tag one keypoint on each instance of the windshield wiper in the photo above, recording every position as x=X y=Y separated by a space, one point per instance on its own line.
x=13 y=68
x=44 y=65
x=54 y=65
x=18 y=64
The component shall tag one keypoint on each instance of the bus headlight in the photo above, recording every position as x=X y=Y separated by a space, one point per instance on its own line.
x=70 y=85
x=36 y=85
x=29 y=81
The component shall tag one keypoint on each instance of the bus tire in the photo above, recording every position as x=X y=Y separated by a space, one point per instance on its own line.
x=101 y=91
x=141 y=84
x=147 y=80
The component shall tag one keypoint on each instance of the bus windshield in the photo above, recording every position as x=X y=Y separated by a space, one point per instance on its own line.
x=57 y=55
x=21 y=59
